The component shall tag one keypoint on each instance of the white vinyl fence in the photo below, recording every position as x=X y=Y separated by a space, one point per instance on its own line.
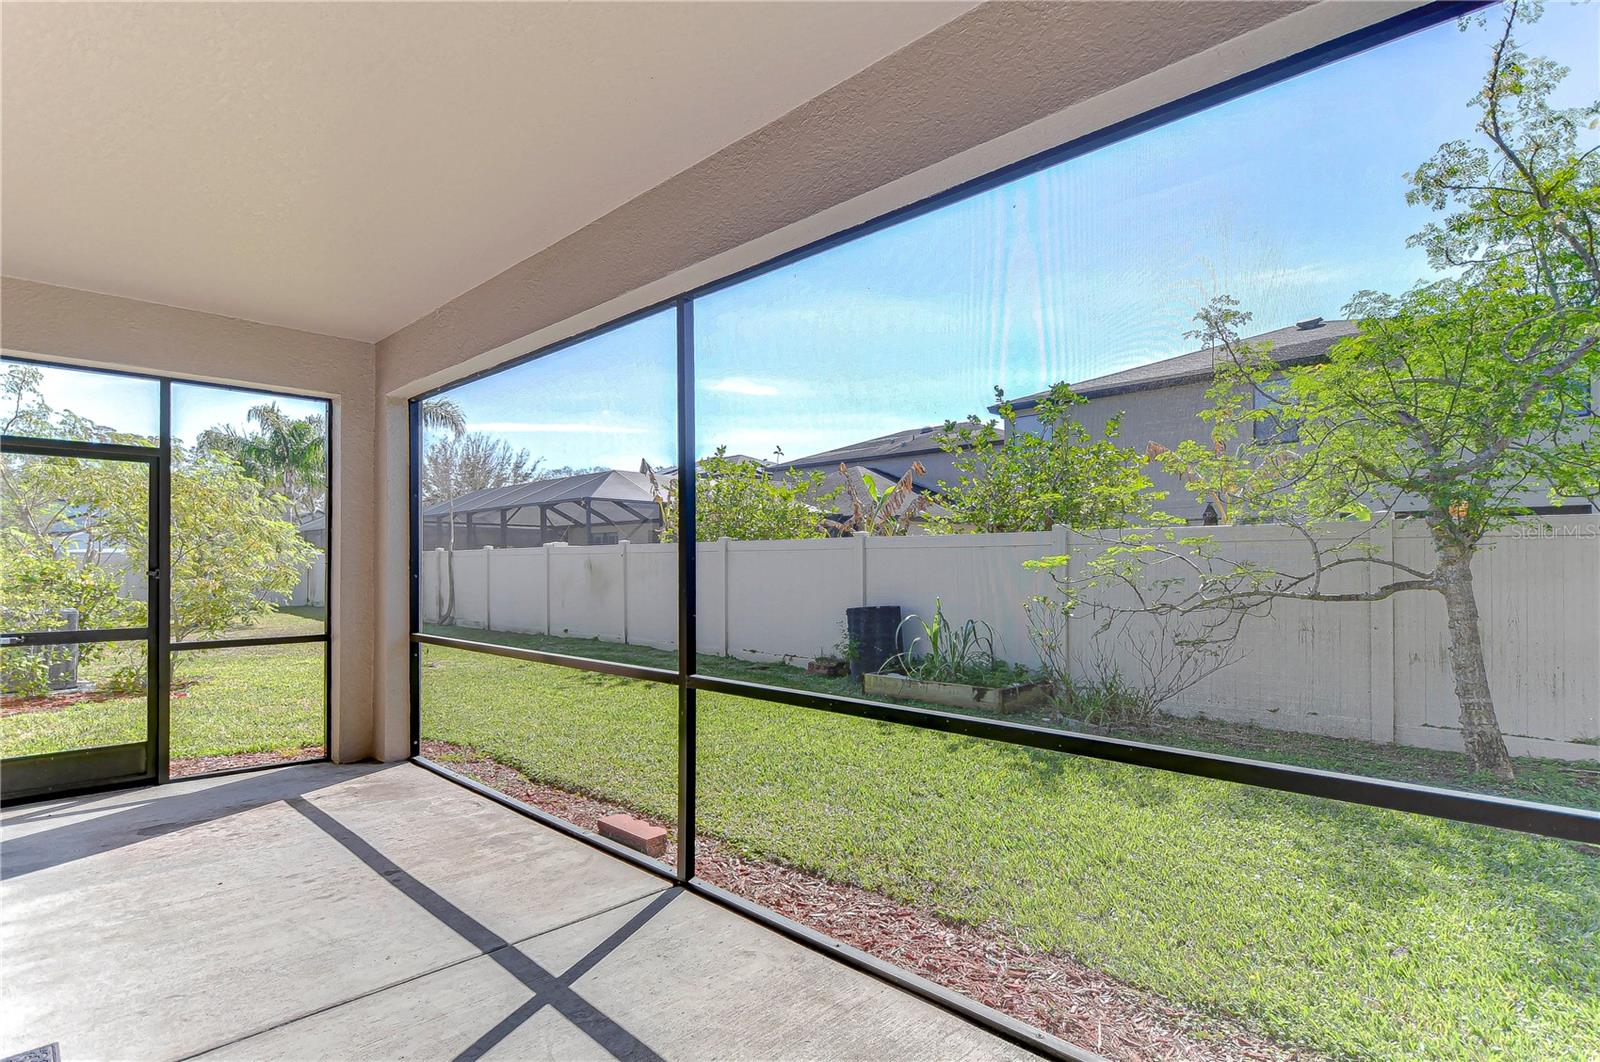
x=1376 y=671
x=312 y=590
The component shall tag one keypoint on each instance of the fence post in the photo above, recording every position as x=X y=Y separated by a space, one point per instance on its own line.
x=1071 y=546
x=727 y=596
x=622 y=546
x=860 y=540
x=1380 y=646
x=1062 y=544
x=488 y=588
x=440 y=574
x=544 y=547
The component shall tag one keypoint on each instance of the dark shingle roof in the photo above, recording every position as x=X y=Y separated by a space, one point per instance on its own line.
x=907 y=442
x=1290 y=346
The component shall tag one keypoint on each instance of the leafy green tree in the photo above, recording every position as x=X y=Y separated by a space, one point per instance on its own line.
x=231 y=553
x=739 y=499
x=28 y=414
x=1454 y=400
x=455 y=465
x=1024 y=481
x=39 y=585
x=231 y=550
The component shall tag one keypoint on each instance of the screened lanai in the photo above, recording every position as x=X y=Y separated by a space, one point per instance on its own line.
x=322 y=321
x=595 y=508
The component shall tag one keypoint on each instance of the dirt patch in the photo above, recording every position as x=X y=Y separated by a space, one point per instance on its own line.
x=208 y=764
x=1051 y=992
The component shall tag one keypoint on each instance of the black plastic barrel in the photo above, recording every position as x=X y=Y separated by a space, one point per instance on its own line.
x=872 y=628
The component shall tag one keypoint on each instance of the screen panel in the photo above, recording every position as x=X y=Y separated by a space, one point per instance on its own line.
x=63 y=699
x=579 y=745
x=247 y=707
x=76 y=543
x=1077 y=450
x=54 y=402
x=546 y=508
x=249 y=514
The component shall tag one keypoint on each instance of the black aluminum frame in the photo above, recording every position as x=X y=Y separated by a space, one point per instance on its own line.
x=157 y=632
x=1500 y=812
x=104 y=765
x=325 y=636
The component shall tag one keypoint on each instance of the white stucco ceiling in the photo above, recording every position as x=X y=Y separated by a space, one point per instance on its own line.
x=347 y=167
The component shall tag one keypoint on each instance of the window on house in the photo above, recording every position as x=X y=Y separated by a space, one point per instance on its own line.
x=1272 y=428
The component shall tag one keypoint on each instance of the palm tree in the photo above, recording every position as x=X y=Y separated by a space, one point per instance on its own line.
x=296 y=450
x=288 y=454
x=441 y=414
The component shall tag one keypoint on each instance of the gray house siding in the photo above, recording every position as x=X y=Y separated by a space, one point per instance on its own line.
x=1169 y=415
x=1166 y=415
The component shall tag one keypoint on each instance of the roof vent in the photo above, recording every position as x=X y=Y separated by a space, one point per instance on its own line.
x=1308 y=324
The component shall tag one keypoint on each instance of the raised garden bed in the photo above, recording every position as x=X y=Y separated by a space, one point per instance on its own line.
x=1018 y=697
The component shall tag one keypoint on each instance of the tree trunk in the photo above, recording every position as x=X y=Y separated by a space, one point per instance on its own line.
x=1480 y=729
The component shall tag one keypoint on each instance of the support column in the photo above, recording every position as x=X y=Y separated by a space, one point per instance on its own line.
x=687 y=590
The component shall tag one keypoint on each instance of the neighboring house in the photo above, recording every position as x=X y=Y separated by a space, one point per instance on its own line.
x=314 y=529
x=1161 y=402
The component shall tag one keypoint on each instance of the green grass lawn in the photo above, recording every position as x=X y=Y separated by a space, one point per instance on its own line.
x=1355 y=931
x=225 y=701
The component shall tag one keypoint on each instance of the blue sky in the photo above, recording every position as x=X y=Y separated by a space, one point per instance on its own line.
x=130 y=404
x=1291 y=199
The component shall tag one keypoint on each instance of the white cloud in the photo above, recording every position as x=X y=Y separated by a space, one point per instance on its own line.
x=1287 y=276
x=743 y=385
x=497 y=427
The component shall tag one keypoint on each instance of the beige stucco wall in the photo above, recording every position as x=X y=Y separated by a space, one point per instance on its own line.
x=80 y=327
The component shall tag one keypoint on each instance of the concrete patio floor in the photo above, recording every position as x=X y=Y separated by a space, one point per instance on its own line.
x=362 y=912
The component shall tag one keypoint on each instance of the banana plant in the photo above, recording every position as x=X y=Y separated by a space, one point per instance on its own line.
x=877 y=510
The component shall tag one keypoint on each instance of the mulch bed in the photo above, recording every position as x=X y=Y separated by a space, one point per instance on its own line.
x=1068 y=999
x=53 y=702
x=208 y=764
